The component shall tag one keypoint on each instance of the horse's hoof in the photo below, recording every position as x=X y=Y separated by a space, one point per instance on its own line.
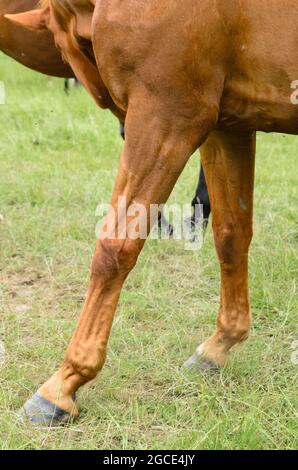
x=199 y=363
x=41 y=412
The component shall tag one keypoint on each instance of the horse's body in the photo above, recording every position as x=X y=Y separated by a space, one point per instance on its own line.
x=184 y=74
x=34 y=49
x=37 y=51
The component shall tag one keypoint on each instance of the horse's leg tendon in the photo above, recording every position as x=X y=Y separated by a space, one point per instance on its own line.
x=229 y=163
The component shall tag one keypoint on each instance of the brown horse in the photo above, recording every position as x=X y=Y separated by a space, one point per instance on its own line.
x=34 y=49
x=185 y=75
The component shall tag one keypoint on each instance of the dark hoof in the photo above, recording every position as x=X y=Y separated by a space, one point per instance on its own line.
x=198 y=363
x=43 y=413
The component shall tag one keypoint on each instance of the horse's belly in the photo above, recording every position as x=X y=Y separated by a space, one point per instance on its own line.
x=253 y=107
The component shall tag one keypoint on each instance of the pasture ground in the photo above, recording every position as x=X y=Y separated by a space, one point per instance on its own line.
x=58 y=159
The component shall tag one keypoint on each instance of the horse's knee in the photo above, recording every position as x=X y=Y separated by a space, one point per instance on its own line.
x=113 y=259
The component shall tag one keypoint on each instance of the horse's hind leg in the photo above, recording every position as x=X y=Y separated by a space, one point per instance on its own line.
x=229 y=162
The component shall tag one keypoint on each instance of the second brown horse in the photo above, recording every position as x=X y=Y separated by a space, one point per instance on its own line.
x=34 y=49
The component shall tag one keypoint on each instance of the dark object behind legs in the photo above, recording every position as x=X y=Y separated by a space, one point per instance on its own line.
x=202 y=196
x=201 y=199
x=67 y=84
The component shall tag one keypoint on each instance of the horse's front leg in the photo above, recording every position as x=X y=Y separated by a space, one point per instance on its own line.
x=229 y=163
x=150 y=165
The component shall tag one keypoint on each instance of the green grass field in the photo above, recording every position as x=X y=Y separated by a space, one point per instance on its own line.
x=58 y=159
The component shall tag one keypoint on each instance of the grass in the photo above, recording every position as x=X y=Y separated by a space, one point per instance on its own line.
x=58 y=159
